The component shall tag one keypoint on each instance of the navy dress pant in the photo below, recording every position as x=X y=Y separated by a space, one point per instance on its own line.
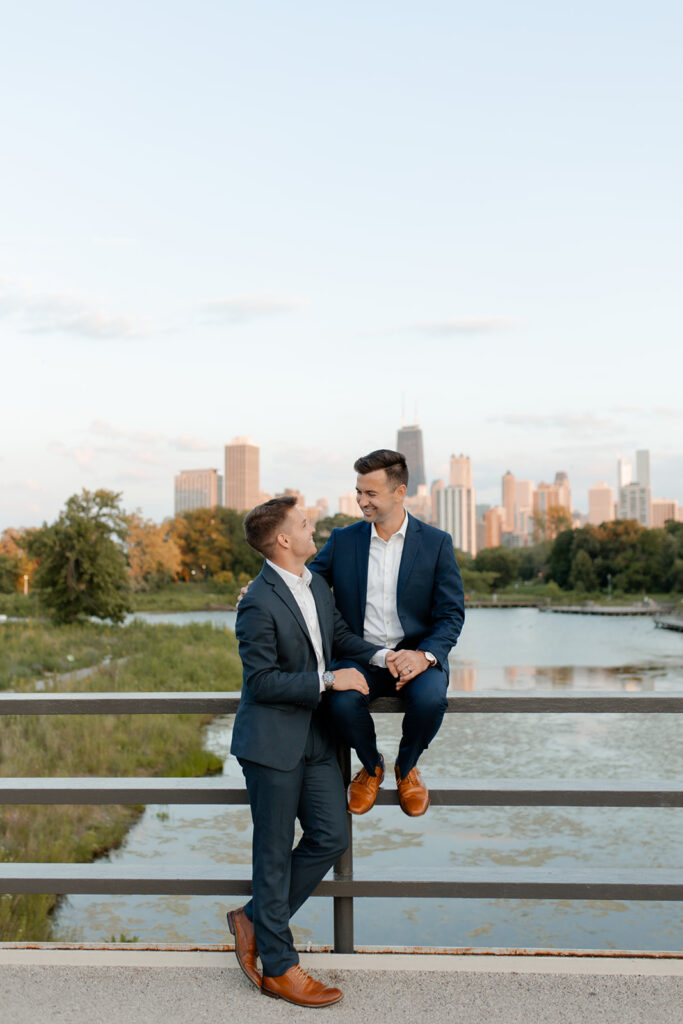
x=283 y=878
x=425 y=704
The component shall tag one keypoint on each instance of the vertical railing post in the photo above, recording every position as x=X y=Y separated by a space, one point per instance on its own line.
x=343 y=905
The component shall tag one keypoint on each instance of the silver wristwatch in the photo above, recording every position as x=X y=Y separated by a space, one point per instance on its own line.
x=328 y=679
x=430 y=657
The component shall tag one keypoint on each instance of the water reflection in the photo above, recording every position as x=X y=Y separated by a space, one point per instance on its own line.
x=500 y=650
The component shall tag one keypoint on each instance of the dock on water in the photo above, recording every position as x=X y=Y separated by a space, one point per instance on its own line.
x=674 y=622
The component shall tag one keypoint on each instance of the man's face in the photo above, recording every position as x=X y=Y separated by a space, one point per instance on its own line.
x=377 y=501
x=300 y=533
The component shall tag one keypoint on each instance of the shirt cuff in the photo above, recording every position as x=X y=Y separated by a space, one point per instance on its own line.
x=379 y=658
x=322 y=685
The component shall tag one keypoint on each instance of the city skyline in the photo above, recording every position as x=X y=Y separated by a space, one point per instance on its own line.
x=282 y=220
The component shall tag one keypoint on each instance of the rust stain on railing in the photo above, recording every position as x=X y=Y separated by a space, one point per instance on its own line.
x=479 y=951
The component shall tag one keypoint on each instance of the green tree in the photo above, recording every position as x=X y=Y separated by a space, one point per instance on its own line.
x=503 y=562
x=81 y=560
x=211 y=541
x=582 y=575
x=324 y=527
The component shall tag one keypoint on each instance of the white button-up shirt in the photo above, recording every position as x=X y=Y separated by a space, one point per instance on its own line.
x=382 y=625
x=300 y=587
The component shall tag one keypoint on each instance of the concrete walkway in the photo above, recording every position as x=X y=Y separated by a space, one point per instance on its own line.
x=71 y=986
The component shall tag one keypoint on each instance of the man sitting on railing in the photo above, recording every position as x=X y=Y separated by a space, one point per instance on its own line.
x=396 y=583
x=289 y=630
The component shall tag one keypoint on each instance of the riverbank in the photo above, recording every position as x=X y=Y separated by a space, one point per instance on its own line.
x=156 y=658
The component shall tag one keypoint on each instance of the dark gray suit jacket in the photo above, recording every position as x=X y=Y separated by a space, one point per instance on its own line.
x=280 y=682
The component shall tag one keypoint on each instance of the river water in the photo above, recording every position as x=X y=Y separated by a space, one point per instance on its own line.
x=500 y=649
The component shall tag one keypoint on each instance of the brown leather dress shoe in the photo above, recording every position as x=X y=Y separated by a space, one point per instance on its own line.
x=413 y=795
x=298 y=987
x=245 y=944
x=363 y=789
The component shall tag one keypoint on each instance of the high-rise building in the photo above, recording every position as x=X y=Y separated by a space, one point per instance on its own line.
x=197 y=488
x=461 y=471
x=600 y=504
x=524 y=507
x=348 y=506
x=508 y=501
x=420 y=504
x=663 y=509
x=564 y=493
x=242 y=474
x=624 y=474
x=494 y=519
x=437 y=485
x=456 y=514
x=634 y=503
x=643 y=467
x=409 y=442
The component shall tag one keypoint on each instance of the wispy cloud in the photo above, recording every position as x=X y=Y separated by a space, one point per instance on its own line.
x=37 y=312
x=464 y=325
x=245 y=309
x=555 y=421
x=105 y=429
x=185 y=443
x=82 y=455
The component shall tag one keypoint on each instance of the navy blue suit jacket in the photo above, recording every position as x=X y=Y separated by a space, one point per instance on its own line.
x=430 y=599
x=280 y=682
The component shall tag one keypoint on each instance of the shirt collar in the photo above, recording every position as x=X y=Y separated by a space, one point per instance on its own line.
x=401 y=530
x=290 y=578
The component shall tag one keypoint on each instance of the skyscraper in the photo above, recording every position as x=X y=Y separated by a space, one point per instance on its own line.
x=456 y=514
x=241 y=474
x=409 y=442
x=461 y=471
x=197 y=488
x=600 y=504
x=508 y=487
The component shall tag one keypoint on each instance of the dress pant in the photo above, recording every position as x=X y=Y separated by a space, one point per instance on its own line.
x=425 y=704
x=283 y=878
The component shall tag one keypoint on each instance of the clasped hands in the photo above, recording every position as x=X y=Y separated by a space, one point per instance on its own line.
x=405 y=666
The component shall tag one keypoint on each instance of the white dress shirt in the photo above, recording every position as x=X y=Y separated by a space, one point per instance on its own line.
x=382 y=625
x=300 y=586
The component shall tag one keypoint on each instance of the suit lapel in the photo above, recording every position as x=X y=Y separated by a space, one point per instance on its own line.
x=362 y=559
x=285 y=595
x=411 y=546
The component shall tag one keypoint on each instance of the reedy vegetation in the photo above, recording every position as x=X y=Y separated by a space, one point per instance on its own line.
x=160 y=657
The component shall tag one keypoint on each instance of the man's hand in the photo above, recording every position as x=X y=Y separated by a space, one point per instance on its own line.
x=350 y=679
x=405 y=666
x=243 y=591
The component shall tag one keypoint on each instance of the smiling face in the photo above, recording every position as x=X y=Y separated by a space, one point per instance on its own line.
x=378 y=502
x=299 y=532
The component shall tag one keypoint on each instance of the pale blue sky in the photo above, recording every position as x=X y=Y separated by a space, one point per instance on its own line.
x=277 y=219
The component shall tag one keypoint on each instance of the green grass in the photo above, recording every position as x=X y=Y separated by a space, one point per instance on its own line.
x=186 y=597
x=193 y=657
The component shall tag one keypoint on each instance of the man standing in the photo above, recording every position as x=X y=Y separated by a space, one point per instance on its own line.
x=396 y=583
x=289 y=631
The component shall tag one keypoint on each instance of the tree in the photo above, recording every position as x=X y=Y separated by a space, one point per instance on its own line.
x=153 y=555
x=81 y=559
x=502 y=562
x=211 y=541
x=582 y=575
x=15 y=559
x=324 y=527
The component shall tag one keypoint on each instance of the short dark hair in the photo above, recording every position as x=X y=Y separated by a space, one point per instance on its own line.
x=384 y=458
x=263 y=523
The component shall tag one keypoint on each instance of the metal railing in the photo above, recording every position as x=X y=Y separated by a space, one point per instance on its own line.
x=103 y=877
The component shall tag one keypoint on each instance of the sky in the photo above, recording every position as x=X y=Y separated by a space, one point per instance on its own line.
x=300 y=222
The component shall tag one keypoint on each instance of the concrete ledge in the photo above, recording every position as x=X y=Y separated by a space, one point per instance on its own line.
x=146 y=986
x=644 y=965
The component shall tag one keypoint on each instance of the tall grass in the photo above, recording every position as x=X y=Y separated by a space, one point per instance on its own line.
x=193 y=657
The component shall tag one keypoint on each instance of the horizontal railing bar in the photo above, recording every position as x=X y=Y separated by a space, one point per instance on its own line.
x=560 y=882
x=443 y=792
x=218 y=703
